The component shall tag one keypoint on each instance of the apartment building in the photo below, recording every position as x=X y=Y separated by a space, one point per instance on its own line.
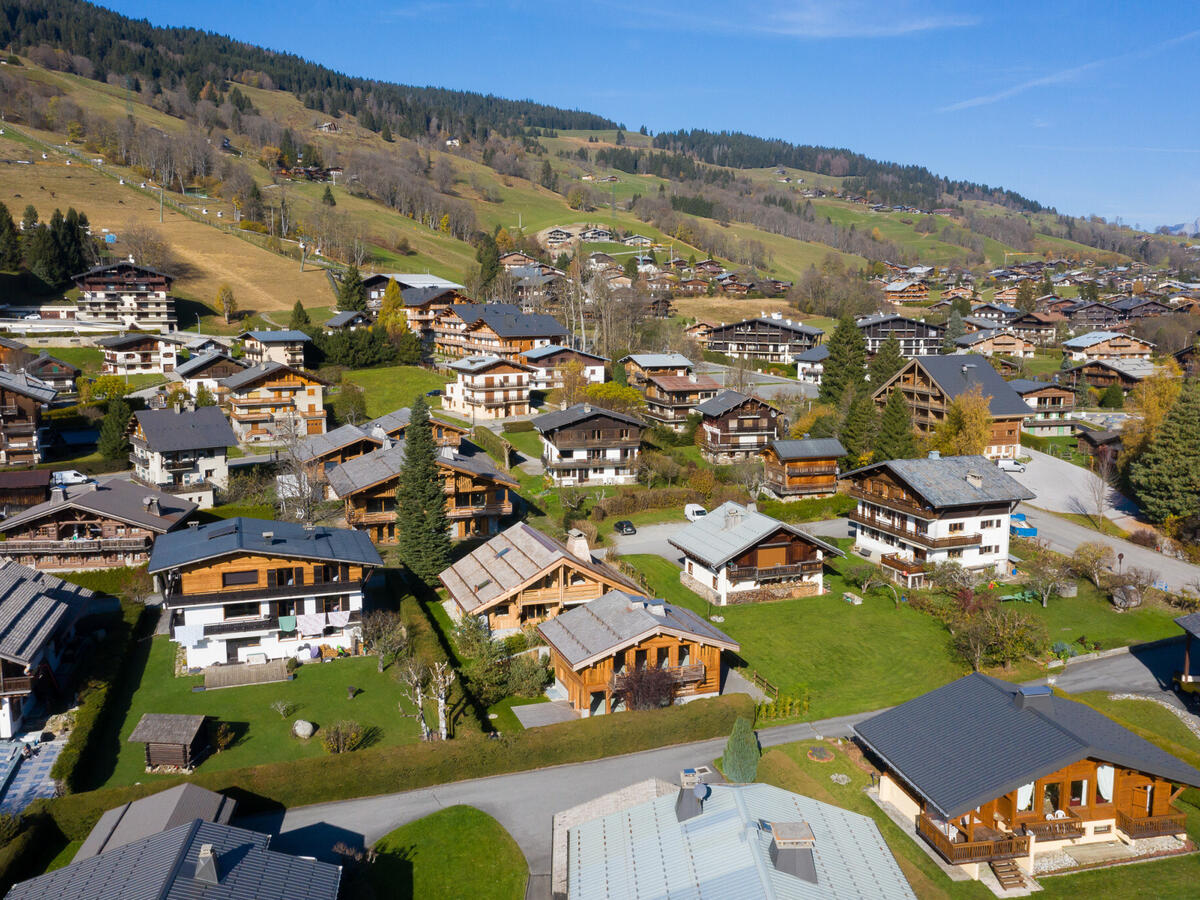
x=125 y=295
x=488 y=387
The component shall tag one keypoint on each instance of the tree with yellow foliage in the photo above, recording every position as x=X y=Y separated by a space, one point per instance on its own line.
x=967 y=425
x=1149 y=401
x=504 y=241
x=392 y=316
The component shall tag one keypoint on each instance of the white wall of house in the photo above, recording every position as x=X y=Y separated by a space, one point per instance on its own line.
x=618 y=465
x=809 y=372
x=11 y=714
x=718 y=579
x=132 y=362
x=991 y=554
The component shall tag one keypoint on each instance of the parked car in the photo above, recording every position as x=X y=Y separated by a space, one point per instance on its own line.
x=1010 y=465
x=435 y=393
x=69 y=476
x=694 y=511
x=34 y=316
x=625 y=527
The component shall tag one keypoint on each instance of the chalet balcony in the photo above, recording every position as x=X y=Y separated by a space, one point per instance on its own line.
x=605 y=439
x=14 y=686
x=908 y=534
x=907 y=567
x=86 y=545
x=680 y=674
x=1057 y=829
x=956 y=852
x=485 y=509
x=175 y=600
x=242 y=626
x=764 y=438
x=1151 y=826
x=892 y=503
x=799 y=470
x=766 y=573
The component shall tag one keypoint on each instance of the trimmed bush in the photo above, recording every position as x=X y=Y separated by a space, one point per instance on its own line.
x=740 y=760
x=518 y=427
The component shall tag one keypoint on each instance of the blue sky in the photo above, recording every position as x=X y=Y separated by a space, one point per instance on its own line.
x=1090 y=107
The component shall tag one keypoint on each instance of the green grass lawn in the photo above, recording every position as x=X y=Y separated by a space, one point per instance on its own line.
x=506 y=721
x=393 y=387
x=318 y=692
x=440 y=856
x=528 y=442
x=90 y=359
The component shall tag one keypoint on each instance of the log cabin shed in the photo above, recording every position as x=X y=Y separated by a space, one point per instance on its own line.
x=171 y=740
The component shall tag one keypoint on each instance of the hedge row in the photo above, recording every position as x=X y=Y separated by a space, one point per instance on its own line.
x=636 y=500
x=517 y=427
x=389 y=769
x=492 y=444
x=26 y=855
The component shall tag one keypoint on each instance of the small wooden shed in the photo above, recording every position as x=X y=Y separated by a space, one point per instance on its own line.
x=171 y=740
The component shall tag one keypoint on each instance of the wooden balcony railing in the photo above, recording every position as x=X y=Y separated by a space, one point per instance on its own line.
x=1057 y=829
x=891 y=503
x=680 y=674
x=907 y=566
x=174 y=600
x=1151 y=826
x=99 y=545
x=958 y=540
x=762 y=573
x=243 y=626
x=21 y=684
x=971 y=851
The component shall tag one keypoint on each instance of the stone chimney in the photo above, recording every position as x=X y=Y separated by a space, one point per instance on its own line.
x=58 y=493
x=733 y=517
x=935 y=454
x=208 y=869
x=975 y=480
x=577 y=544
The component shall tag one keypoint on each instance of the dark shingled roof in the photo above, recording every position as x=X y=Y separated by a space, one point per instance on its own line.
x=387 y=462
x=115 y=498
x=117 y=341
x=27 y=385
x=808 y=448
x=419 y=296
x=254 y=373
x=199 y=363
x=1190 y=623
x=320 y=444
x=168 y=431
x=816 y=354
x=580 y=412
x=34 y=606
x=960 y=373
x=723 y=403
x=166 y=728
x=280 y=336
x=969 y=742
x=508 y=321
x=942 y=481
x=345 y=317
x=242 y=535
x=163 y=867
x=148 y=816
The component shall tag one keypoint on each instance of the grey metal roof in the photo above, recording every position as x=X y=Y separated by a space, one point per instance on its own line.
x=163 y=867
x=619 y=619
x=658 y=360
x=731 y=529
x=816 y=354
x=279 y=336
x=809 y=448
x=393 y=421
x=115 y=498
x=1097 y=337
x=168 y=431
x=962 y=372
x=551 y=349
x=387 y=462
x=968 y=742
x=419 y=296
x=723 y=403
x=44 y=359
x=1027 y=385
x=27 y=385
x=792 y=326
x=969 y=340
x=943 y=481
x=345 y=317
x=492 y=571
x=254 y=373
x=580 y=412
x=163 y=811
x=34 y=606
x=1134 y=368
x=199 y=363
x=724 y=852
x=480 y=363
x=166 y=728
x=242 y=535
x=320 y=444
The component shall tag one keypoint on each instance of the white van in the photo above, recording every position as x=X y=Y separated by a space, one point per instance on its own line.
x=694 y=511
x=1010 y=465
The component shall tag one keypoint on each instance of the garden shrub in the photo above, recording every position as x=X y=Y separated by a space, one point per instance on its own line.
x=527 y=675
x=519 y=427
x=1144 y=537
x=343 y=736
x=740 y=760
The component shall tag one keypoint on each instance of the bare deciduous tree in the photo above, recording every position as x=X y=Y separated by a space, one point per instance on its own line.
x=413 y=677
x=441 y=679
x=1101 y=486
x=384 y=635
x=1091 y=560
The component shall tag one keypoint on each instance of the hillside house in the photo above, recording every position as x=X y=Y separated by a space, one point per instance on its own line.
x=1188 y=360
x=515 y=259
x=997 y=342
x=549 y=362
x=272 y=402
x=1106 y=345
x=773 y=339
x=243 y=590
x=1140 y=306
x=906 y=291
x=640 y=367
x=917 y=338
x=1041 y=328
x=207 y=371
x=595 y=646
x=488 y=387
x=999 y=314
x=637 y=240
x=931 y=383
x=1069 y=775
x=1052 y=407
x=586 y=444
x=1100 y=373
x=478 y=495
x=348 y=320
x=376 y=284
x=125 y=295
x=494 y=329
x=799 y=469
x=423 y=305
x=394 y=424
x=1091 y=316
x=523 y=576
x=734 y=426
x=182 y=451
x=53 y=371
x=670 y=399
x=135 y=354
x=284 y=346
x=738 y=555
x=810 y=365
x=93 y=526
x=915 y=513
x=21 y=401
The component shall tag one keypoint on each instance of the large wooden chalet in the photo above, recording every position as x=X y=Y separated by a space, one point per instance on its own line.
x=21 y=402
x=736 y=426
x=670 y=399
x=772 y=339
x=640 y=367
x=586 y=444
x=596 y=649
x=125 y=295
x=273 y=402
x=522 y=576
x=1066 y=775
x=916 y=338
x=799 y=469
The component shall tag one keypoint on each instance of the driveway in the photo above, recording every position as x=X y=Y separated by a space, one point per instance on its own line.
x=1063 y=487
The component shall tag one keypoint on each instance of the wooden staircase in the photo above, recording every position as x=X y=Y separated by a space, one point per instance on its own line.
x=1008 y=874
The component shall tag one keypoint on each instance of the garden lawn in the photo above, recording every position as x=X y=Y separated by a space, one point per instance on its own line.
x=393 y=387
x=318 y=692
x=846 y=658
x=457 y=852
x=1090 y=615
x=89 y=359
x=528 y=442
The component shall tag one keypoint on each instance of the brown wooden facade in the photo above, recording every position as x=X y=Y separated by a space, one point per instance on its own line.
x=548 y=593
x=794 y=478
x=670 y=399
x=20 y=418
x=254 y=577
x=740 y=432
x=268 y=407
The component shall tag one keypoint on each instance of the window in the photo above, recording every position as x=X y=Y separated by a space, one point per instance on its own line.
x=286 y=607
x=1079 y=788
x=1025 y=798
x=1104 y=784
x=285 y=577
x=988 y=548
x=333 y=604
x=242 y=611
x=990 y=523
x=1051 y=798
x=685 y=654
x=233 y=579
x=957 y=527
x=664 y=657
x=1102 y=829
x=955 y=554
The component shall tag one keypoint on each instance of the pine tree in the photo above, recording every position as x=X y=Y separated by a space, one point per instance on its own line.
x=1166 y=478
x=857 y=433
x=1113 y=397
x=327 y=197
x=846 y=365
x=10 y=242
x=300 y=320
x=422 y=528
x=112 y=443
x=740 y=760
x=887 y=362
x=386 y=132
x=353 y=294
x=896 y=439
x=954 y=330
x=392 y=317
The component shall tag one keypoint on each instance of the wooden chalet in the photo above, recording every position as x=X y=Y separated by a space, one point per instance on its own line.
x=1188 y=360
x=273 y=402
x=13 y=354
x=1006 y=295
x=1000 y=314
x=393 y=425
x=1051 y=407
x=1101 y=373
x=523 y=576
x=423 y=305
x=735 y=426
x=125 y=295
x=478 y=495
x=140 y=353
x=1068 y=775
x=1140 y=306
x=285 y=346
x=22 y=489
x=550 y=362
x=916 y=337
x=1090 y=315
x=1107 y=345
x=323 y=452
x=515 y=259
x=488 y=387
x=206 y=370
x=773 y=339
x=53 y=371
x=596 y=649
x=172 y=742
x=347 y=320
x=640 y=367
x=93 y=526
x=585 y=444
x=1102 y=446
x=1039 y=327
x=906 y=292
x=494 y=329
x=997 y=342
x=670 y=399
x=799 y=469
x=1051 y=303
x=930 y=383
x=21 y=401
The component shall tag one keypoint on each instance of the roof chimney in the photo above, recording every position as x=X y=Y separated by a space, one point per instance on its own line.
x=792 y=849
x=152 y=506
x=269 y=537
x=208 y=869
x=935 y=454
x=58 y=493
x=1037 y=697
x=690 y=802
x=975 y=480
x=733 y=517
x=577 y=545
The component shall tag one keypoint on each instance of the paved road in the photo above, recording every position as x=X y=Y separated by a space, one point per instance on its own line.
x=1064 y=487
x=1144 y=670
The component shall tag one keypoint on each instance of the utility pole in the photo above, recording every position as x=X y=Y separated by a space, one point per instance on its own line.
x=160 y=203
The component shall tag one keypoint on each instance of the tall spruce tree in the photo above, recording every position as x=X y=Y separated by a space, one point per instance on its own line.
x=300 y=320
x=327 y=197
x=857 y=433
x=740 y=760
x=1166 y=477
x=896 y=439
x=846 y=365
x=887 y=362
x=112 y=443
x=10 y=242
x=422 y=528
x=954 y=330
x=352 y=295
